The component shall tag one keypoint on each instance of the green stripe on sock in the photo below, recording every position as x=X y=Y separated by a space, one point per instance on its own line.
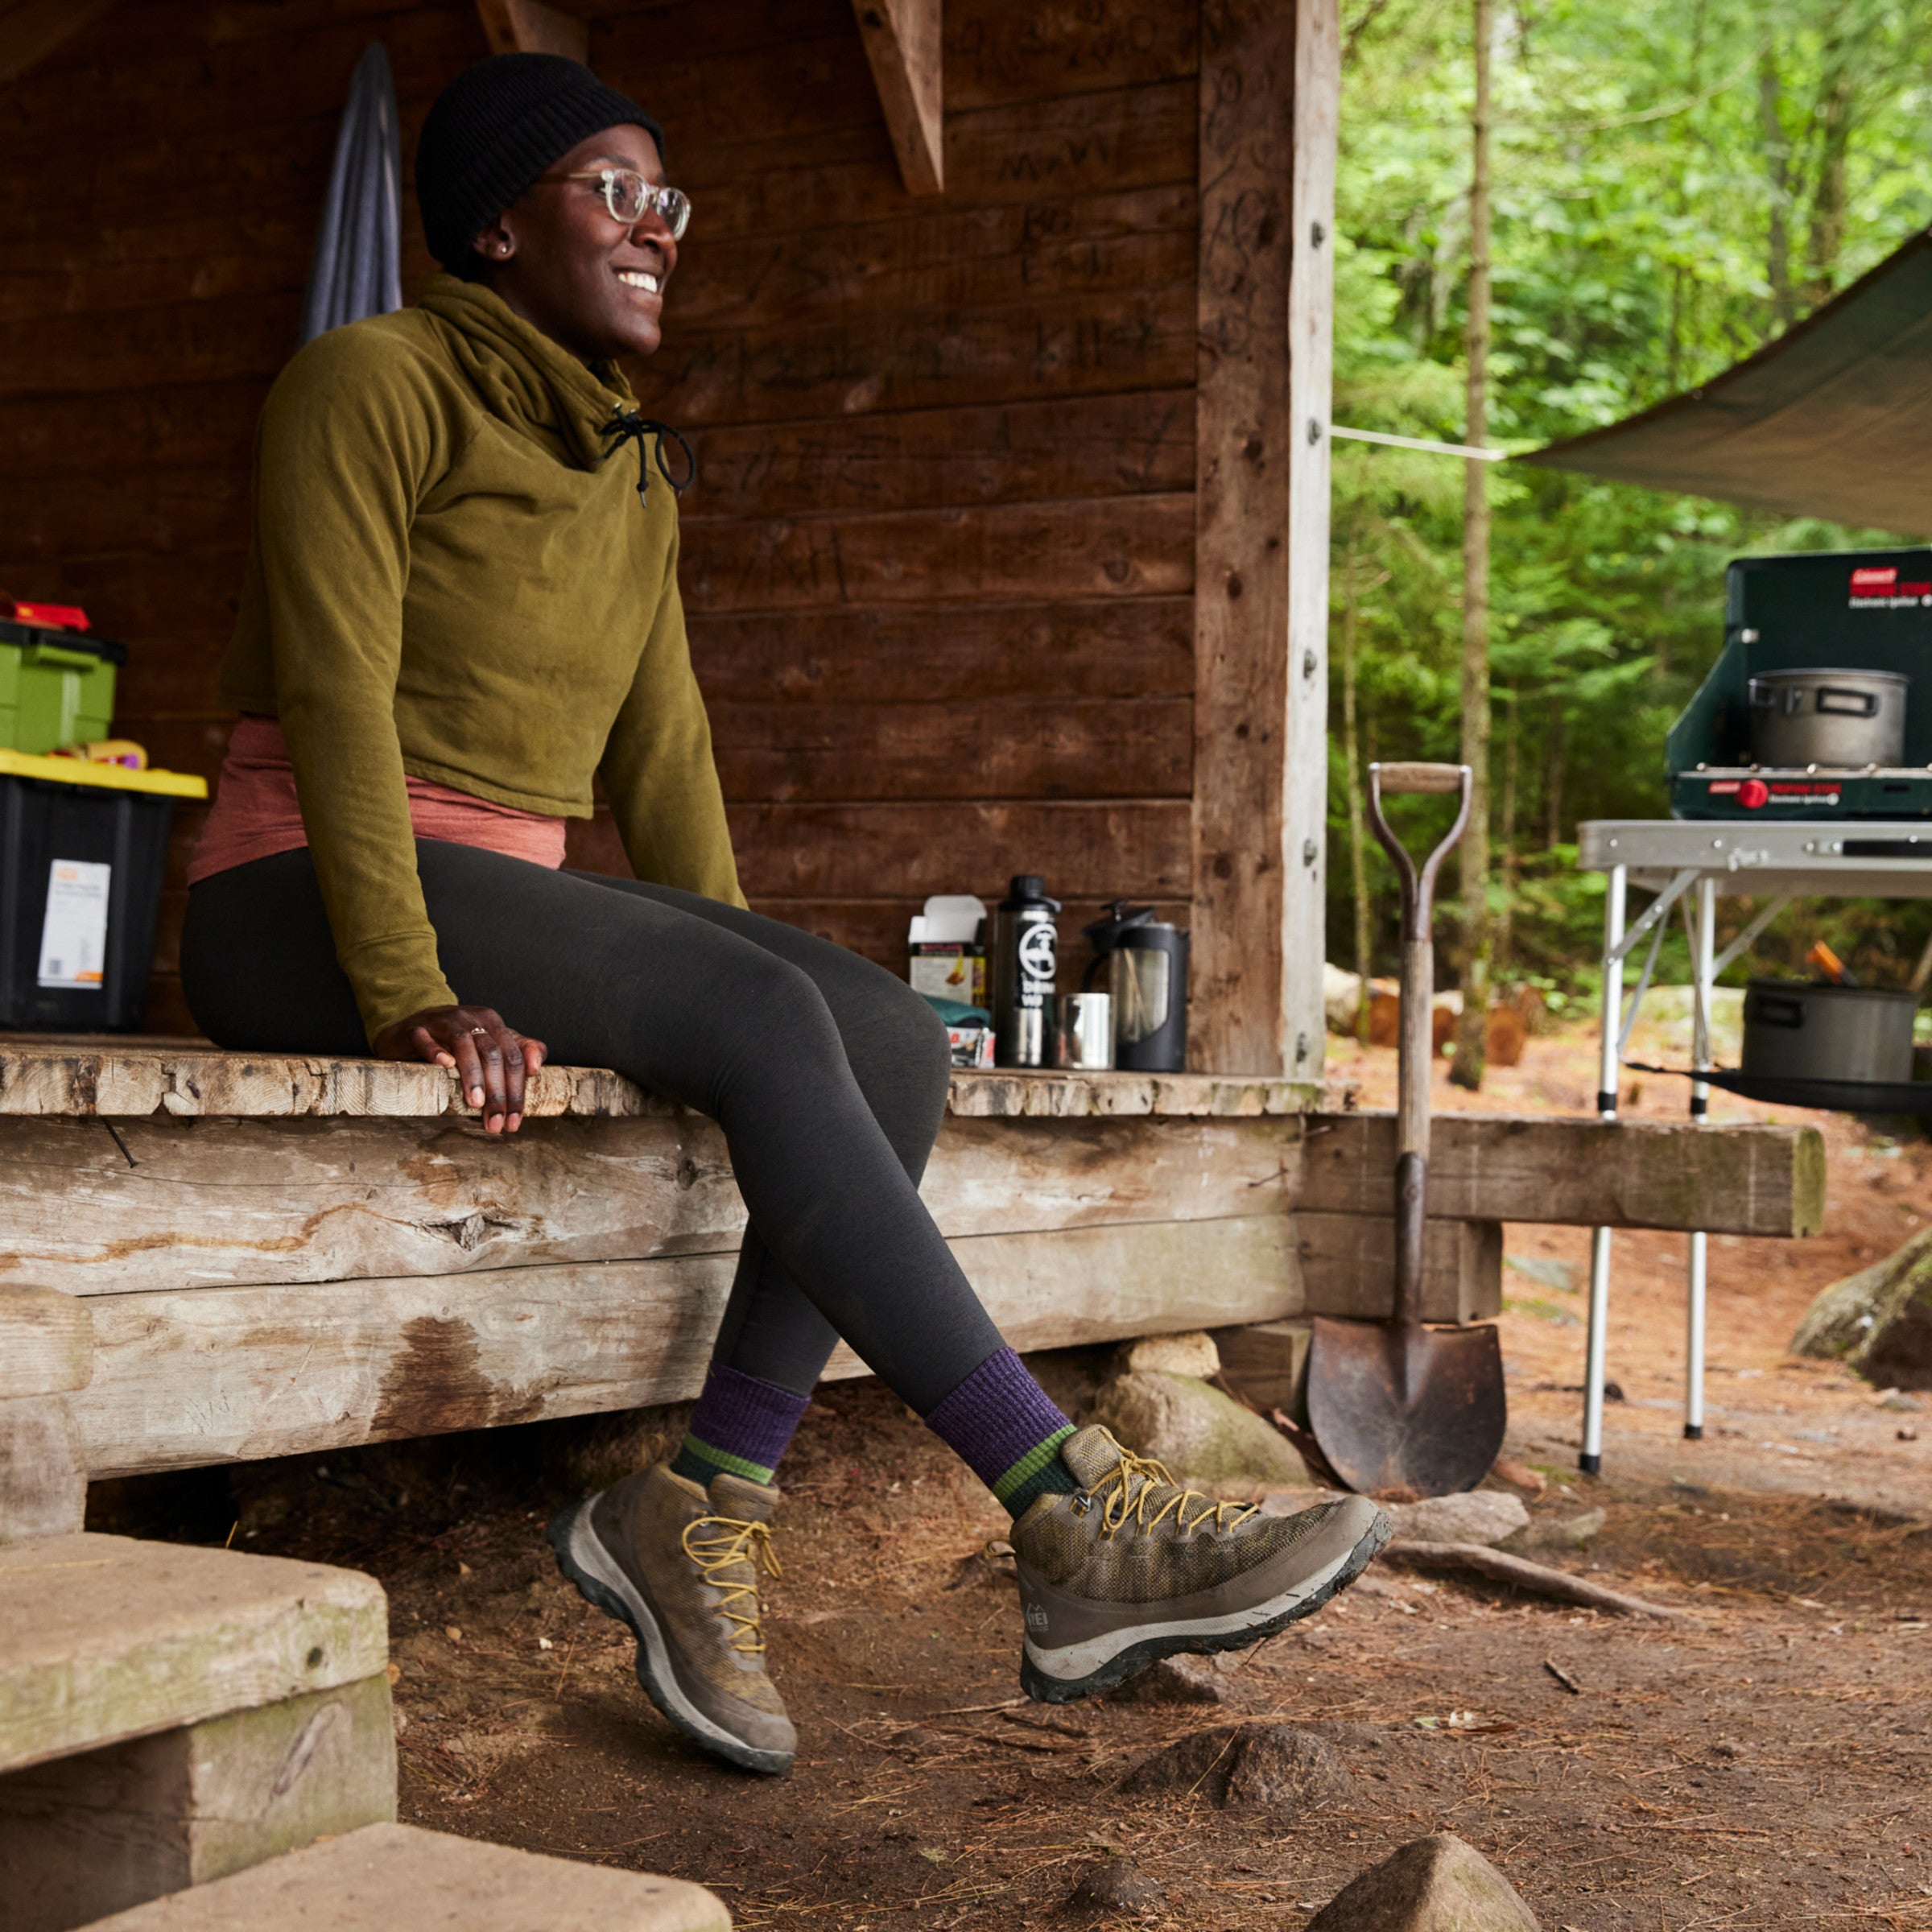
x=1030 y=1464
x=733 y=1465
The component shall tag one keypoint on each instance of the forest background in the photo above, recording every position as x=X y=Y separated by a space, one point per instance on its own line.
x=1674 y=183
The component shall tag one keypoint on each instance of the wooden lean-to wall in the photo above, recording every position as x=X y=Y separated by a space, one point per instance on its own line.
x=939 y=567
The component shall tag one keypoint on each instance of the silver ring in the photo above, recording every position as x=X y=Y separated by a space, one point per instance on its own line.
x=479 y=1029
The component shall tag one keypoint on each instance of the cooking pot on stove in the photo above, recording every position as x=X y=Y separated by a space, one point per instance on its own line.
x=1804 y=1030
x=1836 y=717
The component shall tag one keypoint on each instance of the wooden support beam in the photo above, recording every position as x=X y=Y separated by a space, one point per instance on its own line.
x=1270 y=79
x=232 y=1374
x=528 y=26
x=30 y=29
x=903 y=43
x=1578 y=1173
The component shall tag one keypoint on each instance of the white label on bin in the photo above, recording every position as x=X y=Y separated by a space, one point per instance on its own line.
x=73 y=938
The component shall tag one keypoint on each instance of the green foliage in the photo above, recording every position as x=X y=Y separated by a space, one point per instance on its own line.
x=1674 y=185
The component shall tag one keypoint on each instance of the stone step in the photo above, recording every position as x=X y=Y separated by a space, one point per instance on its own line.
x=103 y=1638
x=384 y=1875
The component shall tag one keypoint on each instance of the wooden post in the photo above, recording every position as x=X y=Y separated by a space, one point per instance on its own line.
x=902 y=42
x=528 y=26
x=1270 y=79
x=47 y=1353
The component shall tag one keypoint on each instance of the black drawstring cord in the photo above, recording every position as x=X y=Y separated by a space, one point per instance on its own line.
x=627 y=425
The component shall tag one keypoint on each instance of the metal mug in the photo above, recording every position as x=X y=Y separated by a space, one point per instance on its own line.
x=1082 y=1031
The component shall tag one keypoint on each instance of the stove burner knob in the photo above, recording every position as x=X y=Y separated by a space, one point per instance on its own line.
x=1753 y=793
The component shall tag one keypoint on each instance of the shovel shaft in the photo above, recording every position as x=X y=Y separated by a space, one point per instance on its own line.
x=1416 y=1048
x=1411 y=1203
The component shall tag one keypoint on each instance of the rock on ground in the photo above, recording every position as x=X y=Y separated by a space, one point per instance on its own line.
x=1477 y=1516
x=1192 y=1353
x=1879 y=1321
x=1114 y=1885
x=1548 y=1532
x=1197 y=1431
x=1174 y=1680
x=1437 y=1884
x=1274 y=1767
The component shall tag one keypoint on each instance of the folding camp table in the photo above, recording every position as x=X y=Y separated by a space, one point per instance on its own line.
x=1687 y=863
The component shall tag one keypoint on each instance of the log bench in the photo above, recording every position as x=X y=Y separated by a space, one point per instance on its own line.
x=280 y=1255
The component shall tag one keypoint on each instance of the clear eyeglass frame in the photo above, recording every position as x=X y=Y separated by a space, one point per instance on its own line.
x=630 y=198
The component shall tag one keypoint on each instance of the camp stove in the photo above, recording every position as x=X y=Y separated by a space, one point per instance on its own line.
x=1853 y=611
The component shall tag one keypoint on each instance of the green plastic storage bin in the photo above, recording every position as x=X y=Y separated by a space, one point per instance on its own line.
x=56 y=687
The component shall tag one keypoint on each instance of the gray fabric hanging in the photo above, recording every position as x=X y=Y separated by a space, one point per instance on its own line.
x=357 y=271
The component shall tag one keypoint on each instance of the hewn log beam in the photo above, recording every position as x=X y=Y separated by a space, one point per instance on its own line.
x=1759 y=1180
x=30 y=29
x=1270 y=78
x=528 y=26
x=902 y=42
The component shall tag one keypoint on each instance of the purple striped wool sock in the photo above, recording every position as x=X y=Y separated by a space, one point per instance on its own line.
x=1000 y=1424
x=741 y=1426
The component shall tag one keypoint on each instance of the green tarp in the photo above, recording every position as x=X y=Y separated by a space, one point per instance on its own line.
x=1834 y=420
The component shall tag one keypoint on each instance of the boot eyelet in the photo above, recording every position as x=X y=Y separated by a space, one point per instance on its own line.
x=1079 y=1503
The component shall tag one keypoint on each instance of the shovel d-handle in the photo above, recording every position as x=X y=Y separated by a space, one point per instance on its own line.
x=1416 y=1047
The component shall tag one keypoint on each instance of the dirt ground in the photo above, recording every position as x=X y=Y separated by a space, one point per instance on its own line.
x=1768 y=1763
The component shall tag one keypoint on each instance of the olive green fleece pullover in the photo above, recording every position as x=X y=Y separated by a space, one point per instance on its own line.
x=452 y=576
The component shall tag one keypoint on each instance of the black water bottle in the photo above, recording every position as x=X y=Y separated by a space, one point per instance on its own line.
x=1024 y=958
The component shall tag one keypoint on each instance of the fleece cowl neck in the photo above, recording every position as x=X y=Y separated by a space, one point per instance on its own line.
x=524 y=378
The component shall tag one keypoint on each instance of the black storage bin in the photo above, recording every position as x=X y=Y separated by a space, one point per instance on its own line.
x=98 y=980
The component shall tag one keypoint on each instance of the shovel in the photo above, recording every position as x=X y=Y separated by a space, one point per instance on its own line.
x=1395 y=1405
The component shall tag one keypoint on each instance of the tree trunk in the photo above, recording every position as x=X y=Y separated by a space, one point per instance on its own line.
x=1473 y=865
x=1777 y=168
x=1358 y=856
x=1506 y=832
x=1825 y=237
x=1553 y=783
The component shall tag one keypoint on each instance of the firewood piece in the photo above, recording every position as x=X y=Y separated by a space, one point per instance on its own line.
x=1535 y=1577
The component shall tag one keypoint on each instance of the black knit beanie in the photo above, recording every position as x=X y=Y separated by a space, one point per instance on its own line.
x=494 y=129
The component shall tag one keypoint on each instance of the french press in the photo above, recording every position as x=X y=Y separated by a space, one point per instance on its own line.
x=1146 y=963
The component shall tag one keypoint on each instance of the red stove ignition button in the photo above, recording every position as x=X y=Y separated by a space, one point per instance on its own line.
x=1753 y=793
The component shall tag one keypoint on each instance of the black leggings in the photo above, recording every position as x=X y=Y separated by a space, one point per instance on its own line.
x=827 y=1074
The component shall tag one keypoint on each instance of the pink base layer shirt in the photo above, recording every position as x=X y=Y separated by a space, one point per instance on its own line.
x=256 y=813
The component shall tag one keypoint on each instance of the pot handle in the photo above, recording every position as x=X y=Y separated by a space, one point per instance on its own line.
x=1841 y=702
x=1775 y=1009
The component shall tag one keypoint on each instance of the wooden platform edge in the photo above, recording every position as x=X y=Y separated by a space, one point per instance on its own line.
x=194 y=1080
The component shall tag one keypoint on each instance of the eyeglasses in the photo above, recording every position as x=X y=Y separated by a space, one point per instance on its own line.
x=629 y=197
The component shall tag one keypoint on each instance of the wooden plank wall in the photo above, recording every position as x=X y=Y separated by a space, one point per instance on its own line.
x=939 y=569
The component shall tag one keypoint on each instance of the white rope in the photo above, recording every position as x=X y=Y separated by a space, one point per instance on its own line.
x=1421 y=443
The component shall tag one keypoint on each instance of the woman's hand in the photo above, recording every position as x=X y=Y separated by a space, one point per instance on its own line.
x=493 y=1059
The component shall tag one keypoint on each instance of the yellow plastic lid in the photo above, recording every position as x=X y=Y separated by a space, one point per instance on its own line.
x=109 y=778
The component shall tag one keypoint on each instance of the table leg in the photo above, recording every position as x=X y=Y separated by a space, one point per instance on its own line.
x=1704 y=945
x=1591 y=1460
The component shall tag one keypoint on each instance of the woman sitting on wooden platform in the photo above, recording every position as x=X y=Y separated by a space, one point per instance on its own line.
x=461 y=607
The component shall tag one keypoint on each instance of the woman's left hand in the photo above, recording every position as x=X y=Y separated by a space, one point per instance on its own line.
x=487 y=1054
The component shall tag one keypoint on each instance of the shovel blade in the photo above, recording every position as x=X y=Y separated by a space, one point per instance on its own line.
x=1401 y=1407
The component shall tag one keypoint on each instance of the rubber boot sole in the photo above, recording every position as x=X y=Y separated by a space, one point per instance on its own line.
x=1132 y=1658
x=581 y=1556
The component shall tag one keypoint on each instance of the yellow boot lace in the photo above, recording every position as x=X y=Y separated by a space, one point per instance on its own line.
x=1125 y=1491
x=734 y=1542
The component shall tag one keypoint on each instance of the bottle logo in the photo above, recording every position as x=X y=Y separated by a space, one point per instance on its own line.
x=1037 y=962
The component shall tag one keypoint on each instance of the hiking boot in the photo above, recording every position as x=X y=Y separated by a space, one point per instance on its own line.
x=681 y=1568
x=1135 y=1568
